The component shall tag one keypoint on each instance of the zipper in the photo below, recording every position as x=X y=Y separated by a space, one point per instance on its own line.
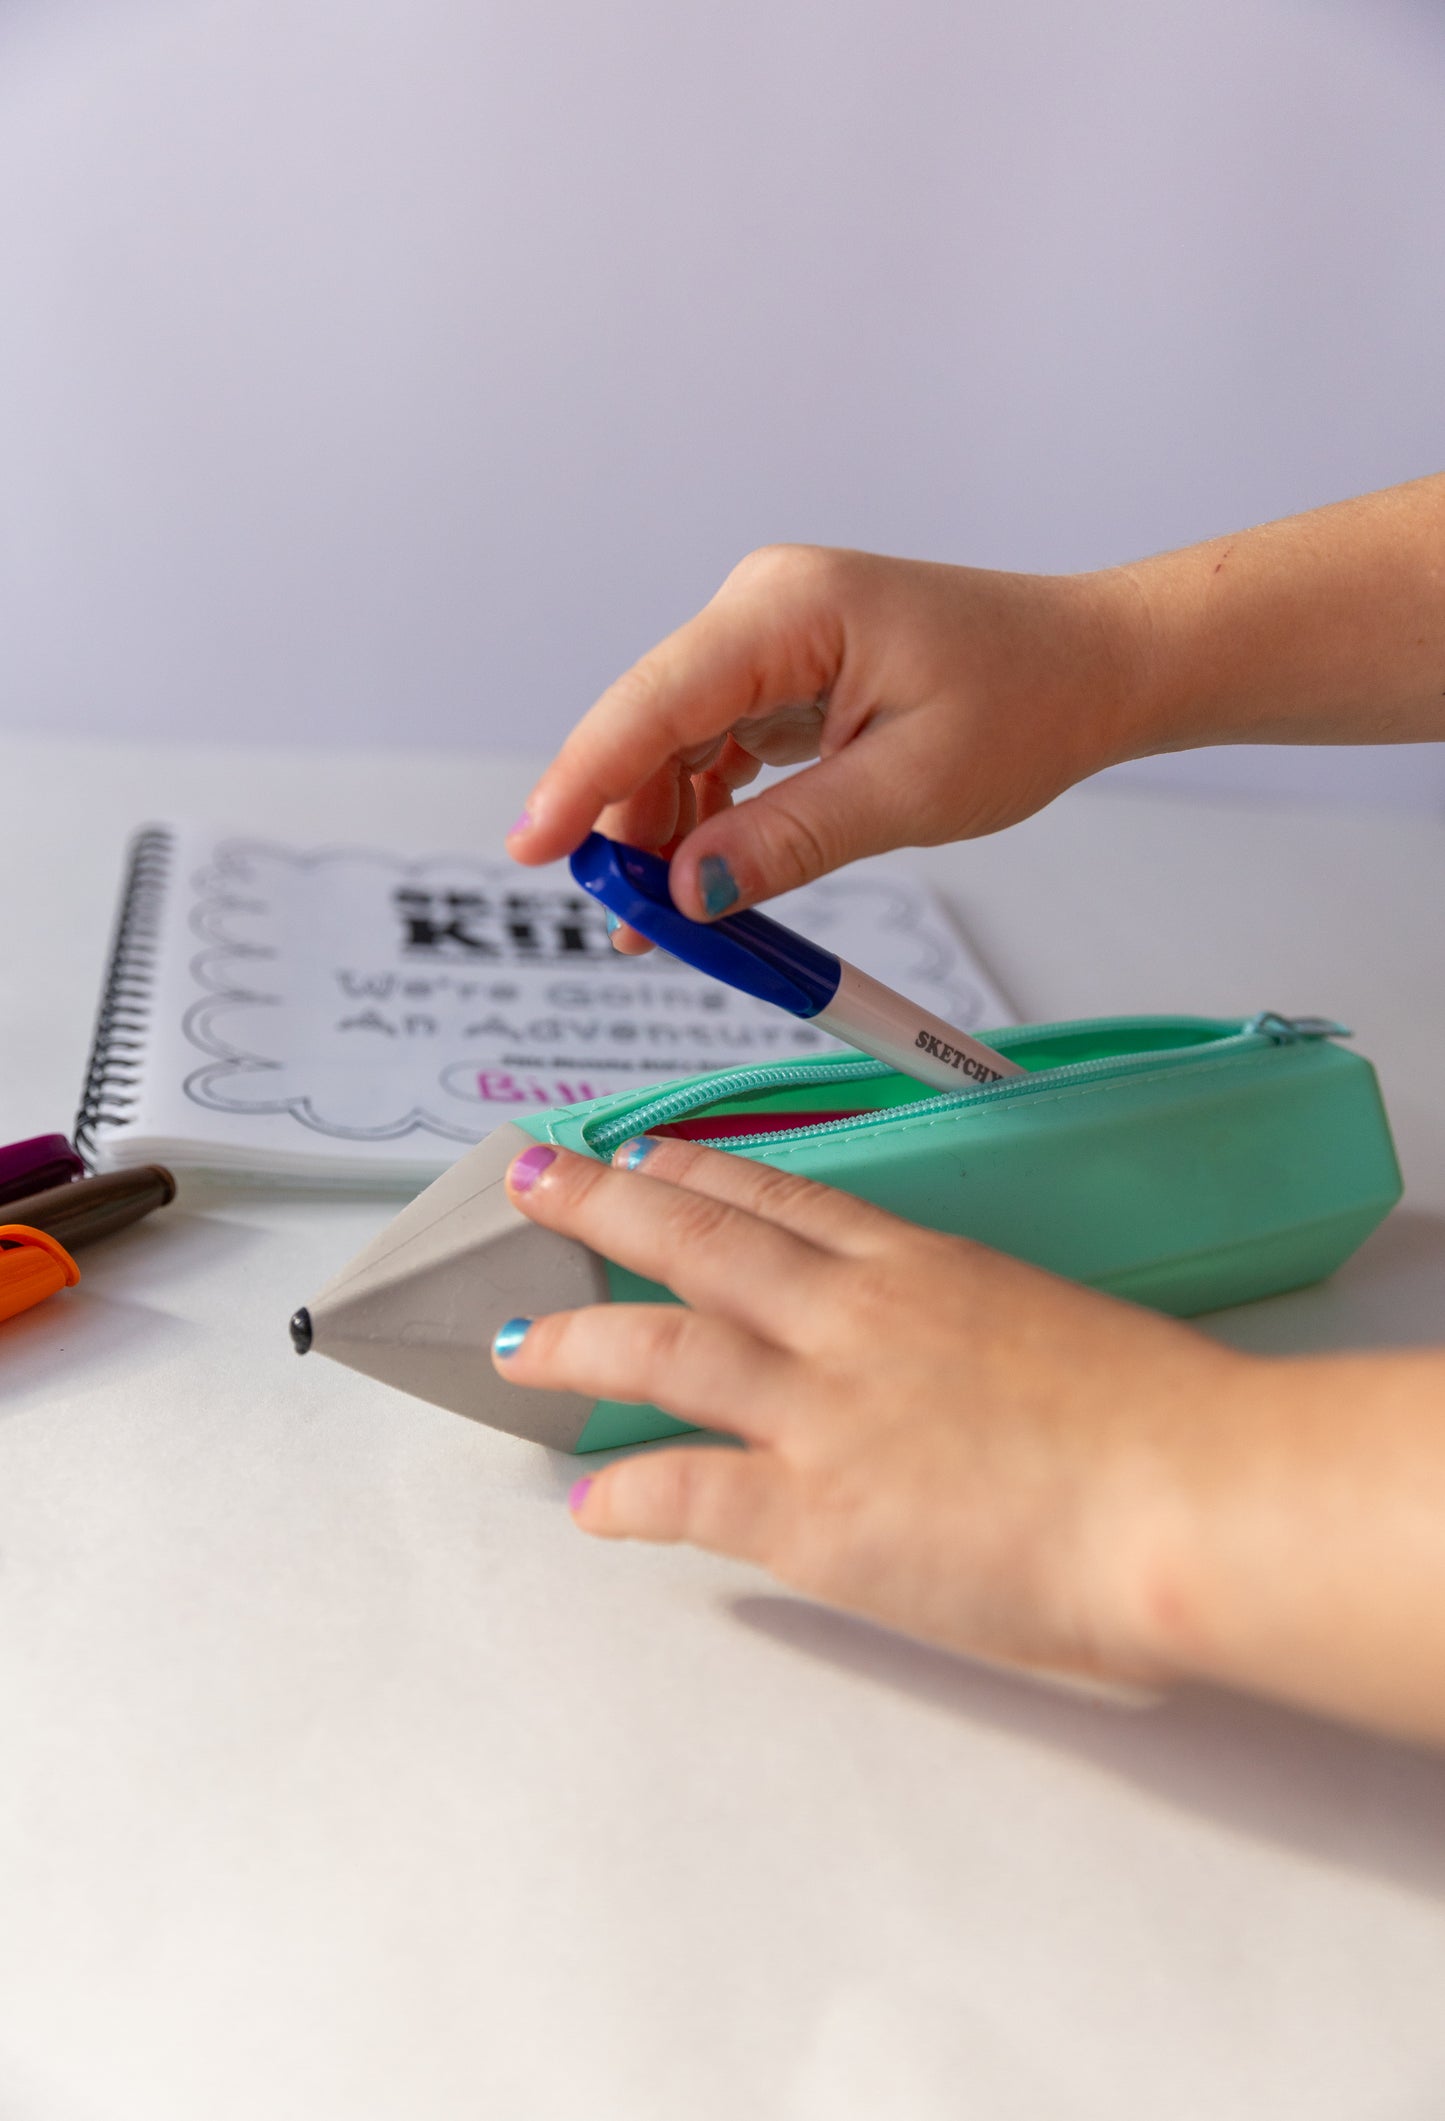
x=1268 y=1028
x=676 y=1103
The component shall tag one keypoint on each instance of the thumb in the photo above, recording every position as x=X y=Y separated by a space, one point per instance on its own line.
x=816 y=820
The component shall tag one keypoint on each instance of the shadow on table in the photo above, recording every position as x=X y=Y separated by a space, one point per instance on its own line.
x=1363 y=1803
x=85 y=1335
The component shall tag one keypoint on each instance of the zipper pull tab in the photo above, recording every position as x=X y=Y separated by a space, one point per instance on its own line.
x=1287 y=1030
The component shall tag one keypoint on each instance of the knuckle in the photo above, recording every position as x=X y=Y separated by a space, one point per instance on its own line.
x=638 y=694
x=571 y=1344
x=654 y=696
x=682 y=1478
x=799 y=848
x=577 y=1178
x=755 y=567
x=661 y=1346
x=695 y=1219
x=550 y=1343
x=775 y=1189
x=875 y=1296
x=796 y=569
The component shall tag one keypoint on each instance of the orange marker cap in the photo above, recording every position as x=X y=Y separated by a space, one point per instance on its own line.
x=32 y=1267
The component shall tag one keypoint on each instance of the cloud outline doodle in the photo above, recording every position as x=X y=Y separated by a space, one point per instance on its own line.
x=217 y=900
x=910 y=945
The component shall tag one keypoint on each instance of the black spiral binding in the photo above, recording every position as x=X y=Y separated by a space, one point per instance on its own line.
x=113 y=1072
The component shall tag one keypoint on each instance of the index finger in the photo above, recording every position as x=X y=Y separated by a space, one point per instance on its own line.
x=767 y=639
x=833 y=1221
x=715 y=1256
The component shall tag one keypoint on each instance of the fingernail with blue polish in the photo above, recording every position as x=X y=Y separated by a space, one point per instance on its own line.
x=630 y=1155
x=613 y=923
x=508 y=1338
x=715 y=882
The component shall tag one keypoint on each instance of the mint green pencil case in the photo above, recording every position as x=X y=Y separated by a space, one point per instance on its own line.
x=1180 y=1161
x=1185 y=1163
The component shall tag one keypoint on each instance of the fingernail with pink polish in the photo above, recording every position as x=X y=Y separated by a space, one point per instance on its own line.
x=529 y=1166
x=578 y=1495
x=523 y=824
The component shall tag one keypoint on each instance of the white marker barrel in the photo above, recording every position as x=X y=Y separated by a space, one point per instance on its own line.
x=886 y=1024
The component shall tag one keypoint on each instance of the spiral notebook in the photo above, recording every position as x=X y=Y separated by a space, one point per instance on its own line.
x=346 y=1013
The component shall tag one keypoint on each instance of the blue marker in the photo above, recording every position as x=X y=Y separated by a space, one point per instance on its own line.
x=763 y=958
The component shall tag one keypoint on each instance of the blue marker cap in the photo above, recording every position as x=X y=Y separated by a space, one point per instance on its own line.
x=745 y=950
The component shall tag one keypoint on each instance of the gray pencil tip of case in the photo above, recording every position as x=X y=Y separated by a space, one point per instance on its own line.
x=301 y=1331
x=418 y=1307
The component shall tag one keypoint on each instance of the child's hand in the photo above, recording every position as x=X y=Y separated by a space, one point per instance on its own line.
x=936 y=1436
x=941 y=702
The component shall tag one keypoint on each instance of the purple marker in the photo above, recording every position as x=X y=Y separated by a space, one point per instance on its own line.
x=35 y=1165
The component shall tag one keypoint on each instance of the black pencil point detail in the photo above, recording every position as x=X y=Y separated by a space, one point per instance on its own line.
x=301 y=1330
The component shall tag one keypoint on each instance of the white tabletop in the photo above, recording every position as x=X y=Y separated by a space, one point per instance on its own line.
x=341 y=1777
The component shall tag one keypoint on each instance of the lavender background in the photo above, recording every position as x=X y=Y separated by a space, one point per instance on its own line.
x=396 y=370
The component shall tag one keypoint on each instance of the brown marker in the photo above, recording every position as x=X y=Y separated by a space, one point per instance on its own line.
x=89 y=1208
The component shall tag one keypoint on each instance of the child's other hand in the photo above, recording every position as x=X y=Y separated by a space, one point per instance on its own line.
x=938 y=1437
x=940 y=702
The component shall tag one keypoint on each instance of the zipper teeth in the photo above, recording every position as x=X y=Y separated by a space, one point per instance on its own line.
x=1011 y=1087
x=789 y=1074
x=801 y=1074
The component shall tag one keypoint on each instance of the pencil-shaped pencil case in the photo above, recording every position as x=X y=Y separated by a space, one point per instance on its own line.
x=1183 y=1162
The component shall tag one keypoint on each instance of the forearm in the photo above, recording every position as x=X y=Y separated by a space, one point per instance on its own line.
x=1326 y=628
x=1299 y=1545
